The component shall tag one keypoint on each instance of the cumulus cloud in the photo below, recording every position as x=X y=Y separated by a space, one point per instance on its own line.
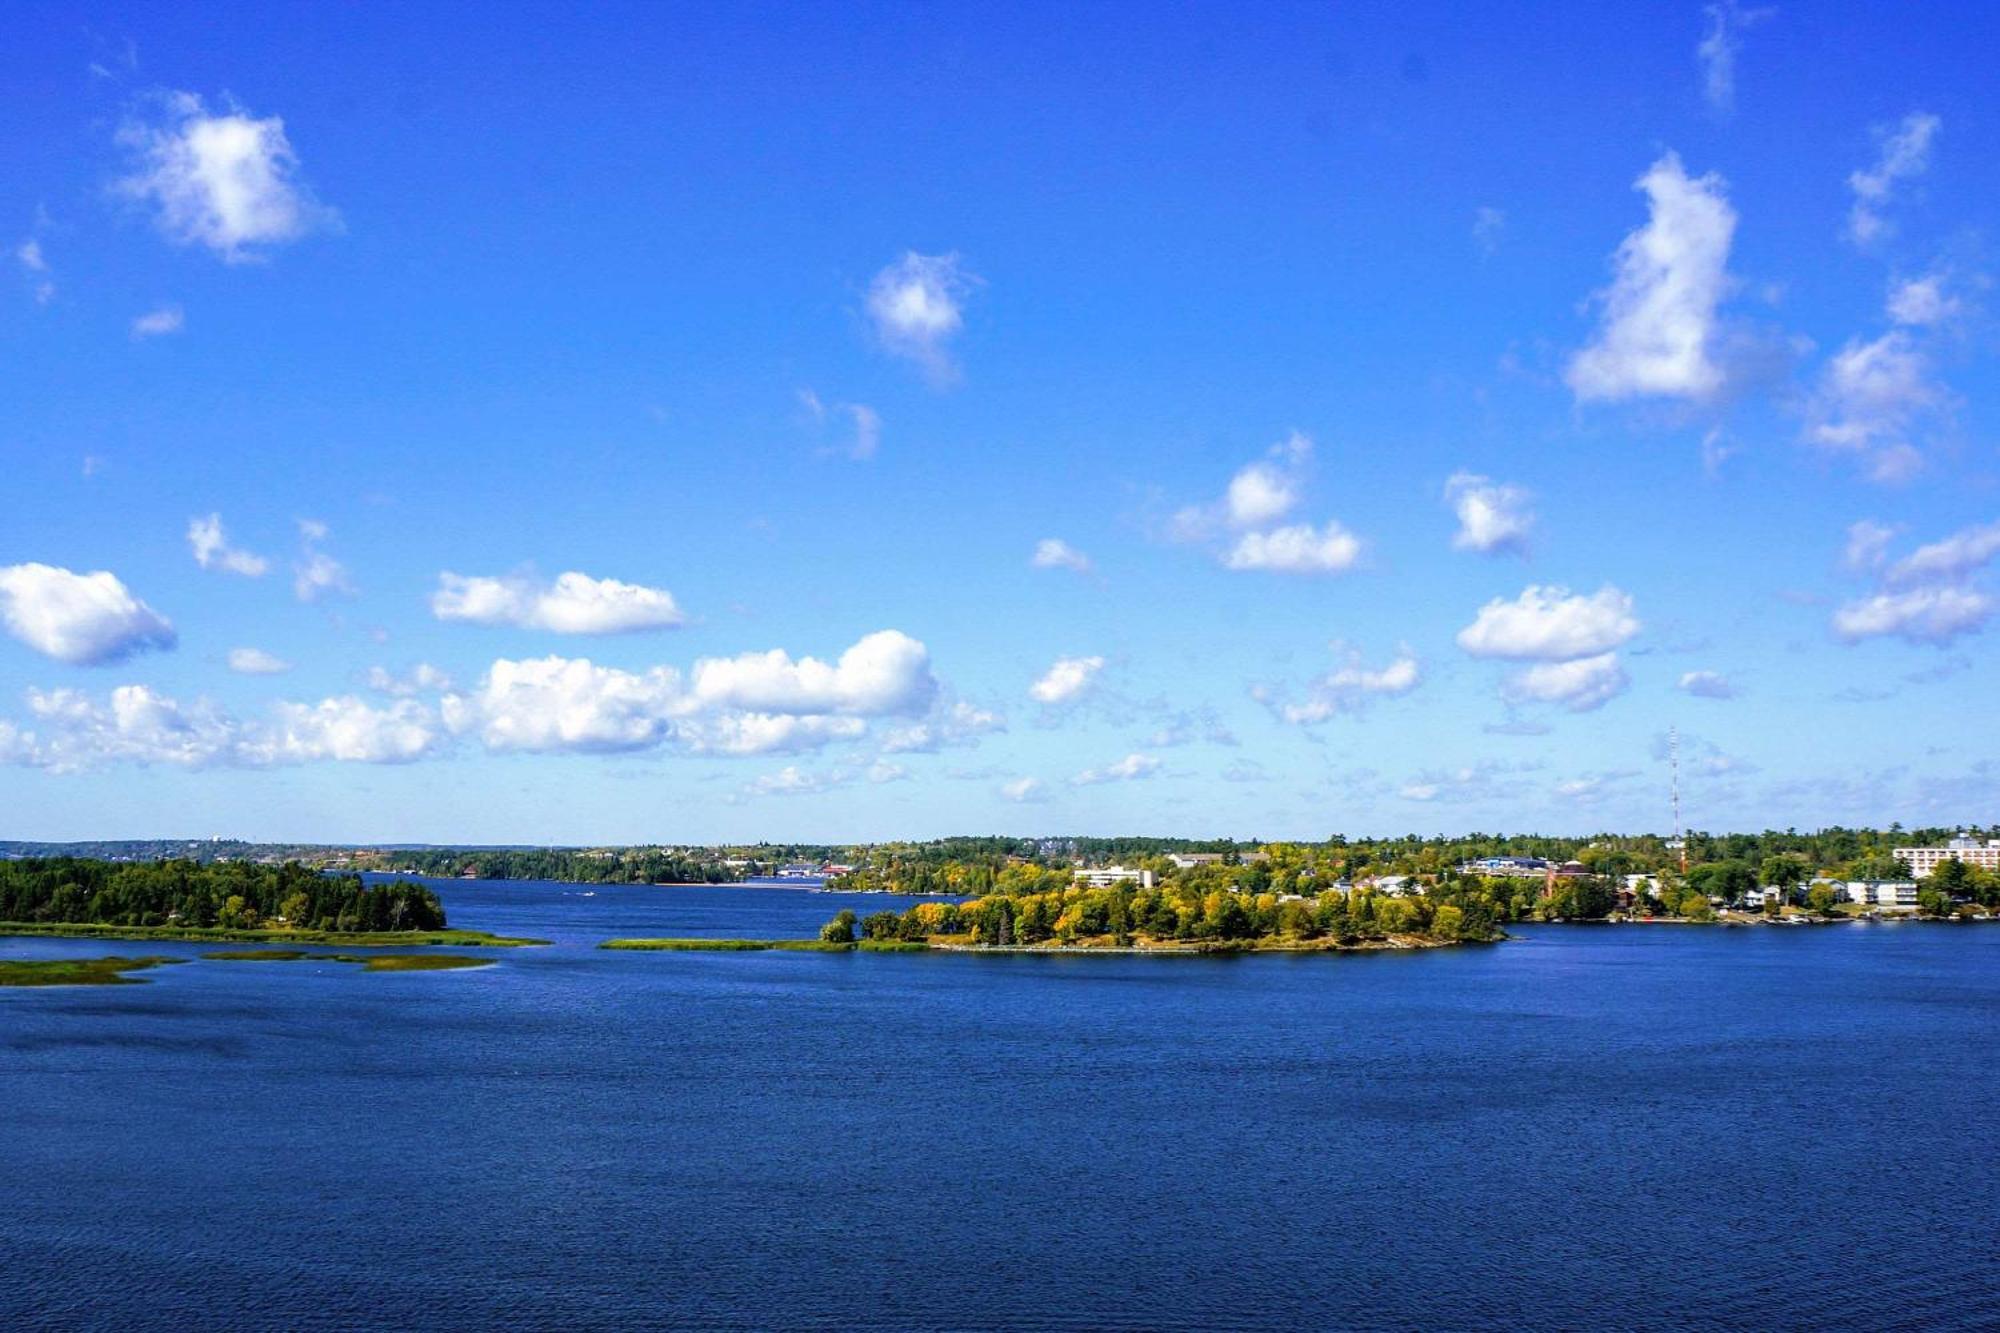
x=82 y=619
x=1132 y=768
x=1258 y=495
x=316 y=575
x=1720 y=42
x=1349 y=687
x=1068 y=680
x=791 y=780
x=573 y=603
x=1485 y=780
x=884 y=673
x=1580 y=685
x=226 y=180
x=1929 y=596
x=1492 y=517
x=1658 y=333
x=1055 y=553
x=958 y=724
x=257 y=662
x=1551 y=624
x=1297 y=549
x=72 y=731
x=423 y=678
x=1870 y=398
x=1867 y=545
x=1904 y=153
x=1923 y=302
x=1935 y=615
x=157 y=323
x=212 y=550
x=1024 y=791
x=1706 y=685
x=917 y=307
x=755 y=703
x=1956 y=556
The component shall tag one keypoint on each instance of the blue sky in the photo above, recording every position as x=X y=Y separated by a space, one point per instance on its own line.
x=878 y=421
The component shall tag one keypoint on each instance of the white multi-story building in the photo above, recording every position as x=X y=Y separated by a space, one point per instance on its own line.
x=1103 y=877
x=1882 y=892
x=1923 y=860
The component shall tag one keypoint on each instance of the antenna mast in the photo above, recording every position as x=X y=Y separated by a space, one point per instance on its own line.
x=1674 y=760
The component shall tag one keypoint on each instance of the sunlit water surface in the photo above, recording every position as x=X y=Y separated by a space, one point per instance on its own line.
x=1612 y=1126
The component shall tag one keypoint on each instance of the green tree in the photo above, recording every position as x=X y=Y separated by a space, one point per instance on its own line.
x=840 y=930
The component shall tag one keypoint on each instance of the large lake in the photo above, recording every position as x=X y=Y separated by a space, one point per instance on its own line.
x=1626 y=1126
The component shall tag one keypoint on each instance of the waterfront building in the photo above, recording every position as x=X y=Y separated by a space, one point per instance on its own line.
x=1923 y=860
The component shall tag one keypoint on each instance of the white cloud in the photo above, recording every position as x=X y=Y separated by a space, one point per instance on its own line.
x=1922 y=302
x=959 y=724
x=1298 y=549
x=1023 y=791
x=791 y=780
x=1055 y=553
x=423 y=678
x=1659 y=325
x=1551 y=624
x=83 y=619
x=156 y=323
x=1132 y=768
x=1579 y=685
x=865 y=421
x=882 y=771
x=257 y=662
x=1720 y=42
x=1258 y=495
x=1867 y=545
x=1352 y=685
x=884 y=673
x=1956 y=556
x=1067 y=680
x=70 y=731
x=212 y=550
x=1707 y=685
x=1920 y=615
x=346 y=729
x=574 y=603
x=1869 y=398
x=766 y=733
x=1492 y=517
x=1484 y=780
x=36 y=265
x=757 y=703
x=315 y=574
x=227 y=181
x=917 y=306
x=1905 y=154
x=556 y=703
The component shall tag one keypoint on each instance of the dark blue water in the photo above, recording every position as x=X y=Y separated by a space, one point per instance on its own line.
x=1620 y=1126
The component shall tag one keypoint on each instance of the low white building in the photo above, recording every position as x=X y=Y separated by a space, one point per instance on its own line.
x=1103 y=877
x=1924 y=860
x=1882 y=892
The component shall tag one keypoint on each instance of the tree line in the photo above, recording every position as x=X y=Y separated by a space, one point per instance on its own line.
x=233 y=894
x=644 y=865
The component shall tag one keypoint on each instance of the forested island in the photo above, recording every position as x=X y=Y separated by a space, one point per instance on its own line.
x=180 y=899
x=625 y=865
x=1043 y=910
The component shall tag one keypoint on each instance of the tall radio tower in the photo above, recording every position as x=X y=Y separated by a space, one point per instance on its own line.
x=1674 y=763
